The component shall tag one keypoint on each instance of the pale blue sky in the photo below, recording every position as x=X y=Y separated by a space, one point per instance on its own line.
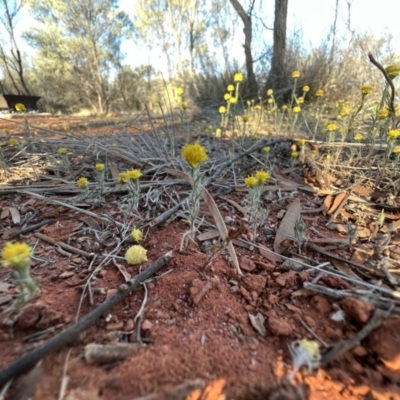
x=313 y=17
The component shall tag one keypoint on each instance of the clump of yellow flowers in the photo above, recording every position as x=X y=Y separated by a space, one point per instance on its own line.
x=17 y=256
x=255 y=186
x=131 y=179
x=100 y=170
x=304 y=352
x=136 y=255
x=194 y=154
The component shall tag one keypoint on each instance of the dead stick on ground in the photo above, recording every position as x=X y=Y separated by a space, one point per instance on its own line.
x=63 y=245
x=73 y=333
x=345 y=345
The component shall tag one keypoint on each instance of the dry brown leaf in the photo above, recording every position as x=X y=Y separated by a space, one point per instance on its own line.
x=5 y=213
x=15 y=215
x=337 y=202
x=122 y=269
x=234 y=204
x=257 y=321
x=214 y=233
x=286 y=227
x=219 y=221
x=269 y=255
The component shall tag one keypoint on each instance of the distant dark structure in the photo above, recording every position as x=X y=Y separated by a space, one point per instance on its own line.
x=8 y=102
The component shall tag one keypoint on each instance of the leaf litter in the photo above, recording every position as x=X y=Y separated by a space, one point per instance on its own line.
x=235 y=336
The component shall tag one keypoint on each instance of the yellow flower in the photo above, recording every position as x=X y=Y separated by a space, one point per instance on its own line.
x=99 y=167
x=345 y=111
x=393 y=71
x=82 y=182
x=294 y=154
x=194 y=154
x=233 y=100
x=231 y=88
x=238 y=77
x=136 y=255
x=284 y=107
x=222 y=110
x=227 y=96
x=306 y=89
x=383 y=113
x=184 y=105
x=301 y=142
x=270 y=101
x=366 y=90
x=123 y=177
x=13 y=142
x=328 y=157
x=393 y=134
x=16 y=255
x=270 y=92
x=396 y=150
x=331 y=127
x=62 y=150
x=179 y=91
x=296 y=109
x=358 y=137
x=137 y=235
x=295 y=74
x=300 y=100
x=20 y=107
x=218 y=132
x=133 y=174
x=266 y=149
x=245 y=118
x=262 y=176
x=251 y=181
x=319 y=93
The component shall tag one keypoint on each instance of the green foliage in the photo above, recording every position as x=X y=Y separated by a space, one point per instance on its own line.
x=78 y=45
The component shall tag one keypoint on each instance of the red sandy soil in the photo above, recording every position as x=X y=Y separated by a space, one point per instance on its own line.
x=188 y=336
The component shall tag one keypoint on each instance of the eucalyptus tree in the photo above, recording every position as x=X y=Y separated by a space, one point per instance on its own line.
x=79 y=49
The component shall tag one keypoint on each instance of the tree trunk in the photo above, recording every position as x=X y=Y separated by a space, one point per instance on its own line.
x=277 y=75
x=248 y=32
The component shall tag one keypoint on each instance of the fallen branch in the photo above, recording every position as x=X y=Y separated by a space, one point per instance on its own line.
x=73 y=333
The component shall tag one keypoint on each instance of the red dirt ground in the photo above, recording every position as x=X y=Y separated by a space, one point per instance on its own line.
x=187 y=336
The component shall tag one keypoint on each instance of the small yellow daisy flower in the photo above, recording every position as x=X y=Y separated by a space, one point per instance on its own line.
x=238 y=77
x=133 y=174
x=82 y=182
x=262 y=176
x=230 y=88
x=294 y=154
x=266 y=149
x=251 y=181
x=136 y=255
x=319 y=93
x=393 y=134
x=366 y=90
x=300 y=100
x=306 y=89
x=396 y=150
x=227 y=96
x=179 y=91
x=296 y=109
x=383 y=113
x=99 y=167
x=295 y=74
x=123 y=177
x=194 y=154
x=331 y=127
x=20 y=107
x=393 y=71
x=270 y=92
x=270 y=101
x=16 y=255
x=13 y=142
x=301 y=142
x=358 y=137
x=222 y=110
x=62 y=150
x=245 y=118
x=233 y=100
x=137 y=235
